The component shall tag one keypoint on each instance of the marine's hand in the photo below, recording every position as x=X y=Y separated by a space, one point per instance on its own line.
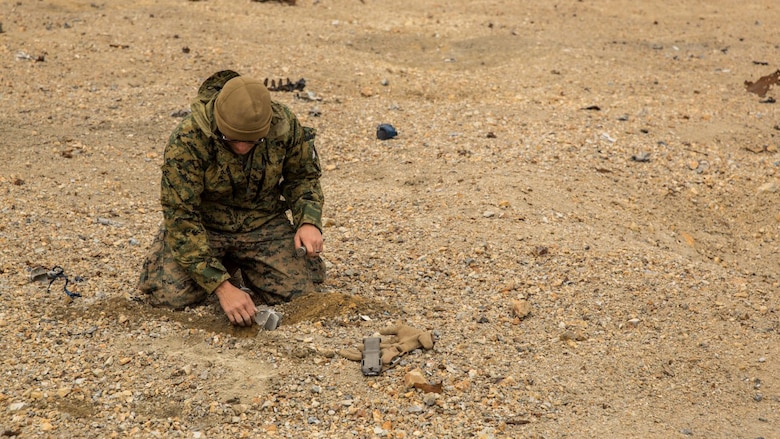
x=310 y=237
x=237 y=304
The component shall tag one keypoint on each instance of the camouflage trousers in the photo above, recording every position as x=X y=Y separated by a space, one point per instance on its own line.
x=263 y=260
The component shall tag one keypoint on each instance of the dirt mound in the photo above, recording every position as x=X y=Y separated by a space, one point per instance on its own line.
x=334 y=306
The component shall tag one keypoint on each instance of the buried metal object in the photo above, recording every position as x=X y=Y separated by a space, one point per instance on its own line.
x=268 y=319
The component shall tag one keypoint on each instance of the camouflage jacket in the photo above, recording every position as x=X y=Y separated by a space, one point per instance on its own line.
x=205 y=186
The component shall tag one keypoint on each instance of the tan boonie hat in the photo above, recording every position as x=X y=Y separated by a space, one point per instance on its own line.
x=243 y=109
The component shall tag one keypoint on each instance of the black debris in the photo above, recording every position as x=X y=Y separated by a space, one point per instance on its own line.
x=385 y=131
x=288 y=86
x=181 y=113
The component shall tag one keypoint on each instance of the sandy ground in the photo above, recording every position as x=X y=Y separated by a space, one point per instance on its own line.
x=600 y=162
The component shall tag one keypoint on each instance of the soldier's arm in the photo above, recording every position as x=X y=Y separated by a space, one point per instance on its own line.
x=301 y=184
x=181 y=188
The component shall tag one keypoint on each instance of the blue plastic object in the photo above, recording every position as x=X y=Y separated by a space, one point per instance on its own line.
x=385 y=131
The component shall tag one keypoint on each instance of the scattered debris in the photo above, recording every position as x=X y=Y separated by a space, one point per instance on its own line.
x=69 y=152
x=308 y=96
x=289 y=2
x=642 y=157
x=761 y=87
x=593 y=108
x=56 y=273
x=288 y=86
x=38 y=273
x=181 y=113
x=24 y=55
x=385 y=131
x=517 y=421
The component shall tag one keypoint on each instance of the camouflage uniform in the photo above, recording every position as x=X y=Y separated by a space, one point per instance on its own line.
x=223 y=211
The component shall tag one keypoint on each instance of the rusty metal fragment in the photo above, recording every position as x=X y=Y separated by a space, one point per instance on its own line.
x=761 y=87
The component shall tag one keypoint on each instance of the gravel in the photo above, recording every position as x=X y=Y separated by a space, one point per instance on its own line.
x=581 y=204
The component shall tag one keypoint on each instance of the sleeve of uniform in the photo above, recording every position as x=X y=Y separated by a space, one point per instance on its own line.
x=181 y=187
x=301 y=176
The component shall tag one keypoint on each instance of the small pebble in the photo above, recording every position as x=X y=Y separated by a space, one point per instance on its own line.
x=16 y=406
